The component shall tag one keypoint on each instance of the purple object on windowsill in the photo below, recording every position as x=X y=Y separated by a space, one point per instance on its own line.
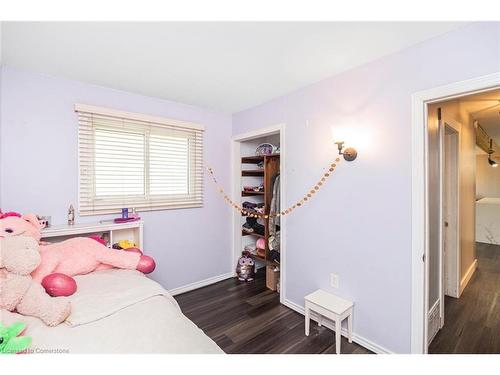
x=121 y=220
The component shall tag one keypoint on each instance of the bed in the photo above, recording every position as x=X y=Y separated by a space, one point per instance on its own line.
x=118 y=311
x=488 y=220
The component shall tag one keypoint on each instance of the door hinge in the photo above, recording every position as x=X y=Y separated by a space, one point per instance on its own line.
x=423 y=258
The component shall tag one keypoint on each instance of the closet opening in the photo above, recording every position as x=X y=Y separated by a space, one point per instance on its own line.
x=258 y=185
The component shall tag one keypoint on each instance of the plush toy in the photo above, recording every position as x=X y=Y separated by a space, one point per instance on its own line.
x=19 y=256
x=58 y=284
x=98 y=239
x=134 y=250
x=245 y=269
x=13 y=224
x=76 y=256
x=10 y=343
x=125 y=244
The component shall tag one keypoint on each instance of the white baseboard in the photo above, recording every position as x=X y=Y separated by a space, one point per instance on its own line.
x=468 y=275
x=355 y=337
x=434 y=321
x=200 y=284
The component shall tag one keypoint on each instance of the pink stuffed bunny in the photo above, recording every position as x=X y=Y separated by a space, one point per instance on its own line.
x=76 y=256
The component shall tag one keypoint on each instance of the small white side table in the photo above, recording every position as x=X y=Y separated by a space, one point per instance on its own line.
x=332 y=307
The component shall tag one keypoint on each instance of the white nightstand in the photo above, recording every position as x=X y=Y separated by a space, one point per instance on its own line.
x=331 y=307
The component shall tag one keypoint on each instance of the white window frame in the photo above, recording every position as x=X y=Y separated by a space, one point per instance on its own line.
x=89 y=204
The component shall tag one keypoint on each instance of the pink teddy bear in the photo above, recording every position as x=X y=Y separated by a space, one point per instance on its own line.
x=76 y=256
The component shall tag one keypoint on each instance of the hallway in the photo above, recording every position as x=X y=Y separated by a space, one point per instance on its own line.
x=472 y=322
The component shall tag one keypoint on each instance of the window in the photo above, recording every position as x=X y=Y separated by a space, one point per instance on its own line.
x=137 y=161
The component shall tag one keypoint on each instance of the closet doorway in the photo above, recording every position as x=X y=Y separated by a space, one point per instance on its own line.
x=254 y=184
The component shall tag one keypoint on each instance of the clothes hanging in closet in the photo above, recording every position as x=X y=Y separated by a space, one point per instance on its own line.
x=274 y=221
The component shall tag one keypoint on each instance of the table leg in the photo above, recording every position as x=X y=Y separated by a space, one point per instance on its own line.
x=320 y=321
x=338 y=335
x=349 y=327
x=308 y=320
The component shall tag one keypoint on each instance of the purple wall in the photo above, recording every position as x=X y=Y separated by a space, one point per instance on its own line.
x=359 y=225
x=39 y=169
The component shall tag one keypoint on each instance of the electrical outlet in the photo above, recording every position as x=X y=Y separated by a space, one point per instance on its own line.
x=334 y=280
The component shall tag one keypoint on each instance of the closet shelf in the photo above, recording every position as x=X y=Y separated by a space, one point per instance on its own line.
x=257 y=257
x=252 y=159
x=255 y=159
x=252 y=172
x=243 y=233
x=261 y=259
x=251 y=193
x=251 y=212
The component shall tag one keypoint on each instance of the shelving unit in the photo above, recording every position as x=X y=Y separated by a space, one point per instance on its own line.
x=271 y=168
x=110 y=231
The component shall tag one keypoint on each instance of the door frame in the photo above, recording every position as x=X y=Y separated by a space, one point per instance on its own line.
x=420 y=195
x=236 y=195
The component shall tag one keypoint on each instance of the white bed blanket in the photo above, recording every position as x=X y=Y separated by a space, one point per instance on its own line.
x=106 y=292
x=118 y=311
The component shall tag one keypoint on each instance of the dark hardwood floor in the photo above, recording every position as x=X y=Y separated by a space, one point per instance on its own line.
x=472 y=322
x=248 y=318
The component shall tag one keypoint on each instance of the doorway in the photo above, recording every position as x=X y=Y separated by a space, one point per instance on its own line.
x=422 y=199
x=469 y=226
x=243 y=152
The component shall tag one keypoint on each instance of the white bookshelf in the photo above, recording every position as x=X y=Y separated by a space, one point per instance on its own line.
x=109 y=230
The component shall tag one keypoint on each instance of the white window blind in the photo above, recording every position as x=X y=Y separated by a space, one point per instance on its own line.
x=137 y=161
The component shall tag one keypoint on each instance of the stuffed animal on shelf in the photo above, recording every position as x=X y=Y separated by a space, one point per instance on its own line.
x=75 y=256
x=10 y=340
x=19 y=256
x=245 y=269
x=125 y=244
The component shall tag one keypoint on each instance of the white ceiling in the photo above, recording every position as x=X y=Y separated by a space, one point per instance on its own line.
x=222 y=66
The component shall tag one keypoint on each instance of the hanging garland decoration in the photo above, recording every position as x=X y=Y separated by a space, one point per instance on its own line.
x=287 y=211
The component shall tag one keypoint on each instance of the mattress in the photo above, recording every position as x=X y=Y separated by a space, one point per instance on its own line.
x=118 y=311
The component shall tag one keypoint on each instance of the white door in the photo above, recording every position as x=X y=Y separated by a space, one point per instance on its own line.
x=448 y=223
x=451 y=208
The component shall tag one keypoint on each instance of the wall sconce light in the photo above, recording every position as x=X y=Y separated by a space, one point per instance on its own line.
x=493 y=163
x=349 y=153
x=491 y=151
